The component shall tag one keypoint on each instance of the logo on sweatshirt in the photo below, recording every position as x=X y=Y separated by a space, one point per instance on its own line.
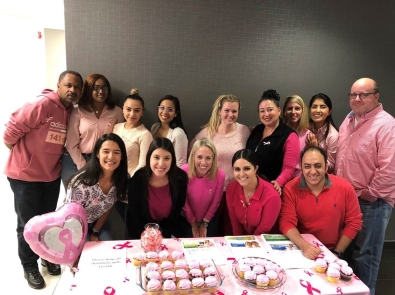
x=48 y=119
x=58 y=125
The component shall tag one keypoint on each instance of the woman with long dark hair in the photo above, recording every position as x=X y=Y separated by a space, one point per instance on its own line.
x=157 y=192
x=100 y=183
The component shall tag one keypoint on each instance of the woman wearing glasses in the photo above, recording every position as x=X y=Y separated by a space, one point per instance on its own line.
x=95 y=115
x=324 y=131
x=170 y=126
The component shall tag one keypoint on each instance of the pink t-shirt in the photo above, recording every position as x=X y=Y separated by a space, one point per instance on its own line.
x=159 y=202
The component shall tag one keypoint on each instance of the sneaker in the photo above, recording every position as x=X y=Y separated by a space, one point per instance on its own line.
x=35 y=279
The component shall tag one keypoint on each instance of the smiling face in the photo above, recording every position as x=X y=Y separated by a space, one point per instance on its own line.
x=69 y=89
x=109 y=156
x=362 y=105
x=160 y=162
x=229 y=112
x=314 y=169
x=269 y=113
x=166 y=111
x=203 y=161
x=319 y=112
x=293 y=112
x=132 y=111
x=244 y=172
x=100 y=91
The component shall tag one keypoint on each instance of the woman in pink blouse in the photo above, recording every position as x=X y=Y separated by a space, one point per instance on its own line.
x=324 y=131
x=204 y=191
x=95 y=115
x=253 y=202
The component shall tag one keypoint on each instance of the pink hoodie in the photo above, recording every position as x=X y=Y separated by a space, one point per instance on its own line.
x=38 y=133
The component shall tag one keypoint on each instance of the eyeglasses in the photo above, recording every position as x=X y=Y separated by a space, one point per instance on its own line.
x=168 y=110
x=361 y=95
x=97 y=88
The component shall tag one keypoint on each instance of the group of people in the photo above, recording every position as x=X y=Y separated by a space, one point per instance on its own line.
x=294 y=173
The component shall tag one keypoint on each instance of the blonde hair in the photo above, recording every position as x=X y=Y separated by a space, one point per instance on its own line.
x=212 y=173
x=215 y=118
x=303 y=123
x=134 y=91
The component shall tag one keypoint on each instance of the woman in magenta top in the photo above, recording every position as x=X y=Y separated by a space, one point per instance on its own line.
x=253 y=203
x=204 y=191
x=157 y=192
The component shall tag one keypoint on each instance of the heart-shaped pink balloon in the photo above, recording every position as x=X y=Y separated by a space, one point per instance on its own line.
x=58 y=236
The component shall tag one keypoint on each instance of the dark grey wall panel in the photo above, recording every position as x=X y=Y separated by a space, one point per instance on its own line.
x=197 y=50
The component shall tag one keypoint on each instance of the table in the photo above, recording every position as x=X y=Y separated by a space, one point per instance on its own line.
x=123 y=280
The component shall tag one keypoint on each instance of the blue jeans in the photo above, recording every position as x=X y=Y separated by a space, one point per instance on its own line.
x=68 y=167
x=367 y=247
x=32 y=199
x=105 y=231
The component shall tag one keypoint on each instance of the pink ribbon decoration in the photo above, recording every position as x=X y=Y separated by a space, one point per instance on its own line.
x=105 y=292
x=177 y=239
x=232 y=259
x=315 y=243
x=128 y=260
x=309 y=273
x=321 y=255
x=66 y=237
x=309 y=287
x=163 y=247
x=121 y=246
x=245 y=292
x=219 y=293
x=126 y=280
x=339 y=290
x=222 y=243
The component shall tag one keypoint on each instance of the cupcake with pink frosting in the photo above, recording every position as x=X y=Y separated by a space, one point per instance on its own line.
x=197 y=285
x=258 y=269
x=211 y=284
x=320 y=265
x=153 y=274
x=176 y=255
x=154 y=285
x=167 y=265
x=181 y=264
x=262 y=280
x=168 y=275
x=192 y=263
x=152 y=256
x=273 y=277
x=242 y=269
x=250 y=276
x=164 y=255
x=334 y=265
x=183 y=286
x=209 y=271
x=195 y=273
x=151 y=266
x=181 y=274
x=333 y=274
x=204 y=263
x=346 y=273
x=169 y=287
x=138 y=258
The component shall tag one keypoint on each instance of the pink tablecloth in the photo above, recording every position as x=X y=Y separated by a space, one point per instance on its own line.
x=299 y=281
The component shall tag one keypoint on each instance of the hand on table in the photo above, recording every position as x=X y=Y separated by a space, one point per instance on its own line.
x=94 y=238
x=311 y=252
x=276 y=186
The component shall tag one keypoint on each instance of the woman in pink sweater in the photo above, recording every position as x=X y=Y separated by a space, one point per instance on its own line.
x=204 y=191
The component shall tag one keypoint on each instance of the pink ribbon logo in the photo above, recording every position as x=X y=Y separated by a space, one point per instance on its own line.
x=177 y=239
x=128 y=260
x=339 y=290
x=245 y=292
x=66 y=237
x=232 y=259
x=163 y=247
x=222 y=243
x=219 y=293
x=321 y=255
x=315 y=243
x=308 y=273
x=309 y=287
x=111 y=291
x=122 y=246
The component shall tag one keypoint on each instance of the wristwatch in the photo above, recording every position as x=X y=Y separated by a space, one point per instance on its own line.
x=205 y=224
x=337 y=253
x=94 y=232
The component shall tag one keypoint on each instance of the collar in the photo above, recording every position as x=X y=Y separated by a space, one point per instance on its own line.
x=257 y=194
x=366 y=116
x=303 y=184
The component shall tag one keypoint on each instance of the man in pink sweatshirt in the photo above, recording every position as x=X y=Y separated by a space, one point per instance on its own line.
x=35 y=135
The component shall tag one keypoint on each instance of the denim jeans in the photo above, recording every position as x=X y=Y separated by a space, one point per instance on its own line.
x=105 y=231
x=31 y=199
x=367 y=247
x=68 y=167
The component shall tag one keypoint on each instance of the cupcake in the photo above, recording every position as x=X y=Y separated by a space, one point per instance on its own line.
x=195 y=273
x=262 y=280
x=197 y=285
x=164 y=255
x=168 y=275
x=211 y=283
x=341 y=262
x=176 y=255
x=152 y=275
x=192 y=263
x=260 y=261
x=250 y=276
x=250 y=262
x=183 y=286
x=320 y=265
x=166 y=265
x=273 y=277
x=333 y=274
x=346 y=273
x=204 y=263
x=334 y=265
x=153 y=286
x=181 y=274
x=209 y=271
x=258 y=269
x=151 y=256
x=242 y=269
x=270 y=266
x=151 y=266
x=330 y=259
x=181 y=264
x=169 y=287
x=138 y=258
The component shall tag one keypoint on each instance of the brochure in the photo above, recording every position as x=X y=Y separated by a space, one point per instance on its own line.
x=288 y=254
x=204 y=248
x=246 y=246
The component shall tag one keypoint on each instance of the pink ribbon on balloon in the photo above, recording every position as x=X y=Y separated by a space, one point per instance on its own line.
x=309 y=287
x=339 y=290
x=66 y=237
x=105 y=292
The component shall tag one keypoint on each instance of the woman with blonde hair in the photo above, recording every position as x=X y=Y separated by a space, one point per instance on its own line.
x=296 y=116
x=204 y=191
x=228 y=137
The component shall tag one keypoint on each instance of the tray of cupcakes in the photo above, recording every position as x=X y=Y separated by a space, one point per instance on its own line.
x=334 y=269
x=170 y=274
x=259 y=273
